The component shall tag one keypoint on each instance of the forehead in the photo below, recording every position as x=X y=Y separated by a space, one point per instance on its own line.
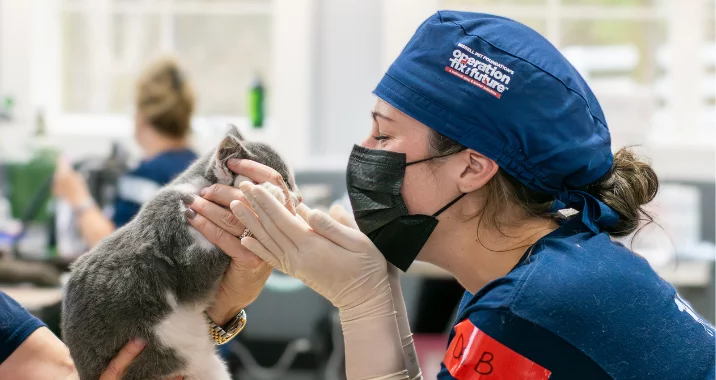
x=384 y=108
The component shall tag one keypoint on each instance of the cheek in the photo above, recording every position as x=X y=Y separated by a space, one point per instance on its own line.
x=418 y=191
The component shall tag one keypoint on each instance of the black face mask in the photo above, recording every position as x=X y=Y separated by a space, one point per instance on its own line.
x=374 y=178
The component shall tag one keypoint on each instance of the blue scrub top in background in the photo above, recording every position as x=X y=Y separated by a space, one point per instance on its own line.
x=142 y=183
x=16 y=324
x=579 y=306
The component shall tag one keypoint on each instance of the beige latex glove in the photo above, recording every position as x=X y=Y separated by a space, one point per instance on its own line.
x=339 y=263
x=340 y=214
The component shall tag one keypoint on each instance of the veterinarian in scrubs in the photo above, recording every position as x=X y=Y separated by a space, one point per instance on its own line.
x=164 y=104
x=482 y=132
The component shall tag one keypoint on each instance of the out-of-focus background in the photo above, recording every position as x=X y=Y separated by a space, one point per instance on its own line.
x=298 y=74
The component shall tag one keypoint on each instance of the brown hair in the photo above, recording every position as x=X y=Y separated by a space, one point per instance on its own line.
x=630 y=184
x=165 y=99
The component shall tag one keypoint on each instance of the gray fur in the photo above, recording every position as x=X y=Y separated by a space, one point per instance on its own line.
x=118 y=291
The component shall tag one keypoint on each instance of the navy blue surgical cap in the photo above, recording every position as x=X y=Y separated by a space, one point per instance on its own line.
x=498 y=87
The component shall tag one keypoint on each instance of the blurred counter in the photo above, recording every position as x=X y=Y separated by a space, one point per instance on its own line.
x=33 y=298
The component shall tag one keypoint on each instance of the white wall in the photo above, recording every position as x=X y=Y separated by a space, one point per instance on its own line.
x=329 y=55
x=15 y=34
x=347 y=69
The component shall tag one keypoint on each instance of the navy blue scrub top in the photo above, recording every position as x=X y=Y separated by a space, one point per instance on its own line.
x=578 y=306
x=142 y=183
x=16 y=324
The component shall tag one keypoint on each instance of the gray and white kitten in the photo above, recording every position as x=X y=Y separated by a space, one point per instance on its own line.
x=154 y=277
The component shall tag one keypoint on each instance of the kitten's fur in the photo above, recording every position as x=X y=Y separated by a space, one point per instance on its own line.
x=153 y=278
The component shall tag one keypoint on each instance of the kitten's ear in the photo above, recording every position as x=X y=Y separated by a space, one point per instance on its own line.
x=234 y=131
x=229 y=147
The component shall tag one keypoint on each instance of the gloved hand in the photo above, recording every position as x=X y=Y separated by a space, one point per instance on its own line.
x=410 y=356
x=338 y=262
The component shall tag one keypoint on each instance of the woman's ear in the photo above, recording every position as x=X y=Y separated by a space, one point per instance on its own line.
x=477 y=171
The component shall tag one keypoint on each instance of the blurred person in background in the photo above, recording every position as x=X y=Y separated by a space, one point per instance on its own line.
x=164 y=105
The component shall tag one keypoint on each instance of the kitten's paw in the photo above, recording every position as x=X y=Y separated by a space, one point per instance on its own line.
x=275 y=191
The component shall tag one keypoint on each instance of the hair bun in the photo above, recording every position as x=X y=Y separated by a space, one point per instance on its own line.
x=165 y=99
x=629 y=185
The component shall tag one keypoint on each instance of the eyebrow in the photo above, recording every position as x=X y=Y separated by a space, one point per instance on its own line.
x=377 y=114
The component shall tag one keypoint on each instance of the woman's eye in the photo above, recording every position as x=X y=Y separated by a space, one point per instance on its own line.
x=380 y=138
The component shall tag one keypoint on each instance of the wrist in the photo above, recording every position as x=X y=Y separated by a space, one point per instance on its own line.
x=221 y=315
x=223 y=334
x=80 y=207
x=79 y=199
x=379 y=305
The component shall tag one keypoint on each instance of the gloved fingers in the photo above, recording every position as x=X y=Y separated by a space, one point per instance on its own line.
x=259 y=250
x=346 y=237
x=287 y=230
x=270 y=225
x=298 y=215
x=252 y=222
x=340 y=214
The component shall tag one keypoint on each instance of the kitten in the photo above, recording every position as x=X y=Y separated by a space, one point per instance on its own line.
x=154 y=277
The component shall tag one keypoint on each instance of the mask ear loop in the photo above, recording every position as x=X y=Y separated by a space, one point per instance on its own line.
x=447 y=206
x=434 y=157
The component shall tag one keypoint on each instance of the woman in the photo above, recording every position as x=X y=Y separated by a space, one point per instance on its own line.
x=484 y=138
x=164 y=104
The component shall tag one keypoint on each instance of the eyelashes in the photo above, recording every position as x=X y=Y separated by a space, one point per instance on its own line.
x=380 y=138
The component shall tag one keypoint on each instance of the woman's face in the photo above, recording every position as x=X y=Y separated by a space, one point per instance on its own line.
x=427 y=186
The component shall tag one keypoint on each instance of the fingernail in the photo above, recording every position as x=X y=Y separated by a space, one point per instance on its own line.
x=187 y=199
x=233 y=204
x=189 y=213
x=232 y=162
x=203 y=191
x=139 y=342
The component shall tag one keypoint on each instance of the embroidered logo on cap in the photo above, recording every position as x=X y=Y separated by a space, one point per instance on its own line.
x=479 y=70
x=474 y=355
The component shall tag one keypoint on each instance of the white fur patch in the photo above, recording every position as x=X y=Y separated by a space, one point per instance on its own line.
x=199 y=239
x=193 y=186
x=185 y=331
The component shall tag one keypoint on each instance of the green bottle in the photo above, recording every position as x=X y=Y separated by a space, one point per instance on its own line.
x=6 y=108
x=256 y=103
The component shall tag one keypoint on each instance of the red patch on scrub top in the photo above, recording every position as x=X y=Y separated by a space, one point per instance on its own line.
x=475 y=355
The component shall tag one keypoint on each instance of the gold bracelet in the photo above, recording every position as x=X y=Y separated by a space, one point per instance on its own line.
x=222 y=335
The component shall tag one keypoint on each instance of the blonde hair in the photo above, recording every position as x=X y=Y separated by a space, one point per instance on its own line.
x=165 y=98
